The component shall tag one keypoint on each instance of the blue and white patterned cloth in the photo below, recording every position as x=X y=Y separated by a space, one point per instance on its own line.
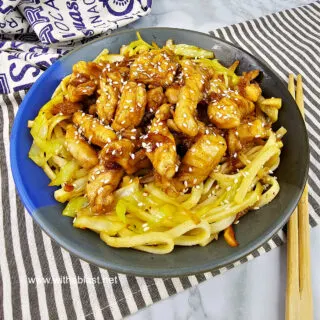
x=35 y=33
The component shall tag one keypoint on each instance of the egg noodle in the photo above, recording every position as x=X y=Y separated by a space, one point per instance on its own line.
x=143 y=215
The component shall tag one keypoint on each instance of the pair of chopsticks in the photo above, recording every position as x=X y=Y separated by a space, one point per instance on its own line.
x=299 y=292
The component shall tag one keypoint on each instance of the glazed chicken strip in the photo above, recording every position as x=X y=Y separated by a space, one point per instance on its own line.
x=189 y=96
x=66 y=107
x=76 y=94
x=227 y=112
x=246 y=132
x=93 y=130
x=80 y=149
x=224 y=113
x=118 y=151
x=106 y=104
x=131 y=106
x=101 y=184
x=122 y=153
x=155 y=98
x=201 y=159
x=138 y=161
x=160 y=144
x=132 y=134
x=83 y=81
x=172 y=93
x=110 y=86
x=154 y=67
x=233 y=142
x=250 y=91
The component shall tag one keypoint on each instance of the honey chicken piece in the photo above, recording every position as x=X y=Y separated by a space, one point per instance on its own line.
x=106 y=104
x=101 y=184
x=93 y=130
x=155 y=98
x=131 y=106
x=80 y=148
x=160 y=144
x=189 y=97
x=201 y=159
x=154 y=67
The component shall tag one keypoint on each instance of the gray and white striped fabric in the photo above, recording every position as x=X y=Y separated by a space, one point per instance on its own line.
x=289 y=42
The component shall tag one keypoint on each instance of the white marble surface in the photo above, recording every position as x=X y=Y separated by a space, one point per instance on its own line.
x=255 y=290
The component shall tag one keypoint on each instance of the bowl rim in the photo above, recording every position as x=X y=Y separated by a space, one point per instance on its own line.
x=135 y=271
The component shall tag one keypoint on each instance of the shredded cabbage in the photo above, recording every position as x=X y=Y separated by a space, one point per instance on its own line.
x=98 y=224
x=121 y=210
x=79 y=186
x=136 y=47
x=104 y=56
x=37 y=155
x=190 y=51
x=219 y=68
x=74 y=206
x=66 y=173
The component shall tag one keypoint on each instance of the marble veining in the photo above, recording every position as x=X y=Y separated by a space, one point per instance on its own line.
x=205 y=15
x=255 y=290
x=196 y=307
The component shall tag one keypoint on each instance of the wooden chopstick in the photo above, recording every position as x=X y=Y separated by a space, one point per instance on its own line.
x=292 y=295
x=306 y=307
x=299 y=291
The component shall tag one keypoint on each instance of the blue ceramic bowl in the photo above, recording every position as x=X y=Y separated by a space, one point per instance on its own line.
x=254 y=229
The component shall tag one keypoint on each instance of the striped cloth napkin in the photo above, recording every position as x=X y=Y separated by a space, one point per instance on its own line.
x=40 y=280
